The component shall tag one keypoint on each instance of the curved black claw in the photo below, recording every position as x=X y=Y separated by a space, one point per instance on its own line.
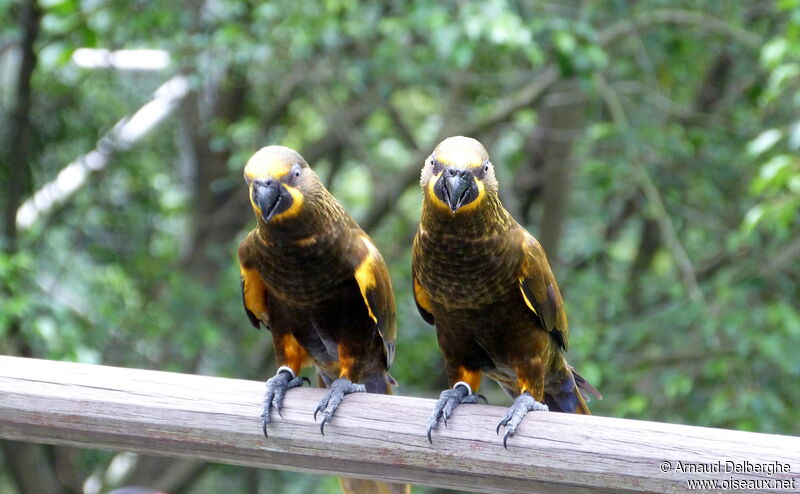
x=330 y=403
x=277 y=386
x=522 y=405
x=449 y=399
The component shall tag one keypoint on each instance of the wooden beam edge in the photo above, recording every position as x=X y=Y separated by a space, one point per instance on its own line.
x=371 y=436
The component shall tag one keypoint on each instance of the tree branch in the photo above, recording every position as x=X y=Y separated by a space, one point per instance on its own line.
x=651 y=192
x=692 y=18
x=779 y=262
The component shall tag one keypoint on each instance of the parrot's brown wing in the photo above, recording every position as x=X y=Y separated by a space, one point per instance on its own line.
x=376 y=288
x=254 y=291
x=540 y=290
x=421 y=297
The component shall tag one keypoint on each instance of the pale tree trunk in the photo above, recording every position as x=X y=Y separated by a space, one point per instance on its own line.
x=218 y=212
x=547 y=175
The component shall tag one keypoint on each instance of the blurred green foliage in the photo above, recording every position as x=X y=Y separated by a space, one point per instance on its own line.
x=138 y=267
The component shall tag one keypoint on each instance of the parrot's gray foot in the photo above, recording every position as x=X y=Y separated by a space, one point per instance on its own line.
x=277 y=386
x=330 y=403
x=448 y=401
x=522 y=405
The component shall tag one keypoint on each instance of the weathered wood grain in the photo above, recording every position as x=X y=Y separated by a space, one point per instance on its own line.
x=371 y=436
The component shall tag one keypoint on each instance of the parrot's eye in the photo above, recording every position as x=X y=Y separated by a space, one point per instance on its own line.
x=295 y=173
x=436 y=166
x=481 y=172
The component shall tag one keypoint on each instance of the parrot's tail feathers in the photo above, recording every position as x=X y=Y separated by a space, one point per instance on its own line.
x=572 y=395
x=380 y=383
x=565 y=398
x=583 y=390
x=582 y=408
x=584 y=387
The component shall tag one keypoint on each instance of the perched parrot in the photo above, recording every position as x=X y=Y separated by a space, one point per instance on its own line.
x=484 y=282
x=314 y=279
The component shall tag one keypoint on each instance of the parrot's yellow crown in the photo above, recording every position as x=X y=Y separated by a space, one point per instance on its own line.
x=272 y=162
x=460 y=151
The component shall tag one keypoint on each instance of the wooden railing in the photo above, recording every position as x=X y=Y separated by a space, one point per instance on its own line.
x=379 y=437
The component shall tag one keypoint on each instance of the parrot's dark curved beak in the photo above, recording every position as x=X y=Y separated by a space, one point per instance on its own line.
x=271 y=198
x=456 y=187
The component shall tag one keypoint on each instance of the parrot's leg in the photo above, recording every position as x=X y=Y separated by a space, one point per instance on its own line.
x=448 y=401
x=523 y=404
x=330 y=403
x=277 y=386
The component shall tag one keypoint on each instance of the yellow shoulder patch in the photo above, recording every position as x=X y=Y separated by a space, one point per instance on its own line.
x=526 y=239
x=525 y=296
x=255 y=293
x=422 y=297
x=365 y=274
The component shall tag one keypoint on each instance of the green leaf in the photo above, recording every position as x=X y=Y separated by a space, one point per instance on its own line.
x=775 y=173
